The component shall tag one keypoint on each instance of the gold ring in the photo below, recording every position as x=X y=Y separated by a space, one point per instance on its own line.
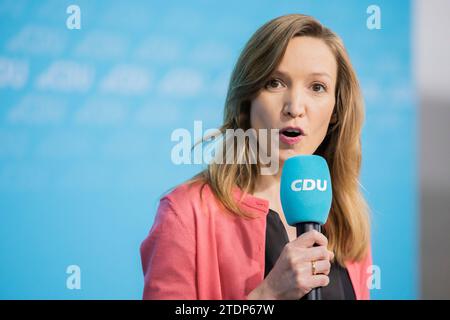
x=313 y=267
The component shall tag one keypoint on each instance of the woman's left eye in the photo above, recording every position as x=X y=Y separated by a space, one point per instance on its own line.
x=318 y=87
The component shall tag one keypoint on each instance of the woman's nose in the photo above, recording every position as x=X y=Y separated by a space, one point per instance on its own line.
x=294 y=105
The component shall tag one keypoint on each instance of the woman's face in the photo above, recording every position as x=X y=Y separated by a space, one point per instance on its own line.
x=299 y=94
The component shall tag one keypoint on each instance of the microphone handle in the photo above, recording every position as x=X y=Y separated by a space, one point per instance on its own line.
x=315 y=293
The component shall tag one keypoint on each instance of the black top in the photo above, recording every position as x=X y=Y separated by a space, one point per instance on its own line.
x=340 y=286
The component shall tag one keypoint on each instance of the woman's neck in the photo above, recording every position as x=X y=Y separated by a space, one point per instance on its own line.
x=268 y=187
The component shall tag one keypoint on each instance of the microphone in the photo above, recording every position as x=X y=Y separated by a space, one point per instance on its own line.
x=306 y=194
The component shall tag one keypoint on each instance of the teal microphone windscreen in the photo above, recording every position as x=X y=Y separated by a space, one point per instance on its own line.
x=305 y=189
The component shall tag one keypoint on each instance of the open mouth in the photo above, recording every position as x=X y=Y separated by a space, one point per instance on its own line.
x=291 y=133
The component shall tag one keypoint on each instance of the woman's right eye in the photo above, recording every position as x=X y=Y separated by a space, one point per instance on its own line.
x=274 y=84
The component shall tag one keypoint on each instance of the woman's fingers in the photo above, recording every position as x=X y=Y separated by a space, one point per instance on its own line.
x=318 y=253
x=319 y=280
x=322 y=267
x=308 y=239
x=297 y=256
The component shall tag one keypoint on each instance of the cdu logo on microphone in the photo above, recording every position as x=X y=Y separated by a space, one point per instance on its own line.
x=309 y=184
x=306 y=189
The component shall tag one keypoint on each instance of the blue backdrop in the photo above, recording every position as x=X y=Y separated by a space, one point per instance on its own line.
x=86 y=117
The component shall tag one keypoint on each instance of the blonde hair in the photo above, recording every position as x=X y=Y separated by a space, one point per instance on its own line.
x=347 y=227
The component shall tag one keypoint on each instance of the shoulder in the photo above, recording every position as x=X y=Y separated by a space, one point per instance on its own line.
x=366 y=262
x=185 y=202
x=360 y=272
x=175 y=218
x=188 y=195
x=366 y=269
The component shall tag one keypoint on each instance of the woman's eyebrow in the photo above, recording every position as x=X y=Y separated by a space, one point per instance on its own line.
x=324 y=74
x=286 y=74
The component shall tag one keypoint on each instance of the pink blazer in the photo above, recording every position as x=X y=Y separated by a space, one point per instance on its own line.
x=195 y=251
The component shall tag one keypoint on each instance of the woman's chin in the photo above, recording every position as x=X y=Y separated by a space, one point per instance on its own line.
x=288 y=153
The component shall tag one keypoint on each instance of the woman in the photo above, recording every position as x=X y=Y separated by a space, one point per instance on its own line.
x=222 y=234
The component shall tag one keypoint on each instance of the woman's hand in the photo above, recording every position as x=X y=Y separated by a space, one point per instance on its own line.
x=292 y=277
